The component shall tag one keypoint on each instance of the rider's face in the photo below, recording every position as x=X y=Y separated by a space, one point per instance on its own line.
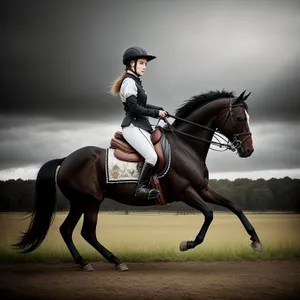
x=141 y=65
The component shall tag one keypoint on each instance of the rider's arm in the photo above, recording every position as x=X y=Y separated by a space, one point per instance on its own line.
x=139 y=110
x=154 y=107
x=128 y=93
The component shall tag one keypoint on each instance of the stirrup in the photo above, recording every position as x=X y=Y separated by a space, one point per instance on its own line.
x=146 y=193
x=153 y=193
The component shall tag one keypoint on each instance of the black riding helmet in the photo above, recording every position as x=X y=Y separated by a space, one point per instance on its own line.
x=134 y=53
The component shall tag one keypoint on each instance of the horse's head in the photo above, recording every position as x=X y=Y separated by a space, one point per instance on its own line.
x=234 y=124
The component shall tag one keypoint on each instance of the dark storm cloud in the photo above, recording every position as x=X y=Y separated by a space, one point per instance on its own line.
x=63 y=56
x=39 y=140
x=102 y=108
x=279 y=100
x=50 y=67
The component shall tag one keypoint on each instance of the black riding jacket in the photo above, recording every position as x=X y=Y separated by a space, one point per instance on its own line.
x=135 y=104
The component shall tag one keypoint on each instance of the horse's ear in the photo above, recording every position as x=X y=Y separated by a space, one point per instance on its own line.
x=245 y=98
x=240 y=97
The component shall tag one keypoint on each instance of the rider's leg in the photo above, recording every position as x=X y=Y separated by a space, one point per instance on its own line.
x=140 y=140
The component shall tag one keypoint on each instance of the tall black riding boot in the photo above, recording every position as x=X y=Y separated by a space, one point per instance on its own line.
x=142 y=190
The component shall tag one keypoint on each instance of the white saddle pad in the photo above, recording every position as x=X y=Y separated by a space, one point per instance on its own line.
x=118 y=171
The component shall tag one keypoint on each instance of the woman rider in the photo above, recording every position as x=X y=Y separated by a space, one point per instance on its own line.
x=136 y=128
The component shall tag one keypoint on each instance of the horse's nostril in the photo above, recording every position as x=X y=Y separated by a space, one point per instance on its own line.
x=249 y=151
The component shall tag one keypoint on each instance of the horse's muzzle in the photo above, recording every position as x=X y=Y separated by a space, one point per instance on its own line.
x=245 y=152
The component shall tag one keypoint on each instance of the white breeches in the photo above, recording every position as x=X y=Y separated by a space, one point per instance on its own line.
x=140 y=140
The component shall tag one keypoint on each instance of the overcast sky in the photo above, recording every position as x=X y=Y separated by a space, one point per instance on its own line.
x=62 y=56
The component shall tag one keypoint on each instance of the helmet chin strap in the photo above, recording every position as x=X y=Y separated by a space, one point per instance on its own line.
x=134 y=70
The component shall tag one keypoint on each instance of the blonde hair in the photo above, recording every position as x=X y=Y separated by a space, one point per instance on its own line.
x=116 y=86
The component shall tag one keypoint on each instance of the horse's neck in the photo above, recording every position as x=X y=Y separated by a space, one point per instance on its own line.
x=204 y=116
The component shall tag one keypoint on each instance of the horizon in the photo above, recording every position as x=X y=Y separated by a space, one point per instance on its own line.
x=30 y=173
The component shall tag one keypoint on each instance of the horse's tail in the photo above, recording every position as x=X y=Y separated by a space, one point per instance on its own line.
x=43 y=212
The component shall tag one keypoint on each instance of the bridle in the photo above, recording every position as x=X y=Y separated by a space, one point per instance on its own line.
x=233 y=146
x=236 y=141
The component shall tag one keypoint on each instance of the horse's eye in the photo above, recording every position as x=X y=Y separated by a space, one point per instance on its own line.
x=240 y=119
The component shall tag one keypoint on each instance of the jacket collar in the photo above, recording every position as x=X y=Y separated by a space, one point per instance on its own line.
x=135 y=78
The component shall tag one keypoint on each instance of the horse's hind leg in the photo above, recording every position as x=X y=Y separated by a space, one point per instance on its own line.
x=66 y=230
x=210 y=196
x=88 y=232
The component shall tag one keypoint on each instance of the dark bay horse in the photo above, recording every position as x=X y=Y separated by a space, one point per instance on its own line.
x=82 y=178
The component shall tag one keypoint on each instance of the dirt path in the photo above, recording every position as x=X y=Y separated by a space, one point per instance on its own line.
x=155 y=281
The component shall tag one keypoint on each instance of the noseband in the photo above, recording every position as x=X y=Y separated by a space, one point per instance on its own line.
x=233 y=146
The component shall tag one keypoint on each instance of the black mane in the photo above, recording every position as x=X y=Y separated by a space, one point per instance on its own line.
x=199 y=100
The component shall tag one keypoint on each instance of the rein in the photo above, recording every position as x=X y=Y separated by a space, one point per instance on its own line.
x=173 y=129
x=233 y=146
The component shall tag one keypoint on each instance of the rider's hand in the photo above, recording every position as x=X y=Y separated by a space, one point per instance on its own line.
x=162 y=114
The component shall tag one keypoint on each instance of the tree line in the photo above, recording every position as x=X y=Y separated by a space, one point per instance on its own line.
x=250 y=195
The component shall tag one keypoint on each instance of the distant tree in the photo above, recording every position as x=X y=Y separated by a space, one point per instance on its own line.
x=254 y=195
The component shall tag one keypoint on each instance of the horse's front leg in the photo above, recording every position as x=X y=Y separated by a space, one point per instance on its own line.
x=210 y=196
x=193 y=199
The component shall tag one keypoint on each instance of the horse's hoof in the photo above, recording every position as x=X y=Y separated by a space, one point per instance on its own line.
x=88 y=268
x=183 y=246
x=257 y=246
x=122 y=267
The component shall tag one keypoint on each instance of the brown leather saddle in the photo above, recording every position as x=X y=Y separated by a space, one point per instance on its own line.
x=125 y=152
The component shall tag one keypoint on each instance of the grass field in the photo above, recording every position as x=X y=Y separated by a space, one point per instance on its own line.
x=156 y=237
